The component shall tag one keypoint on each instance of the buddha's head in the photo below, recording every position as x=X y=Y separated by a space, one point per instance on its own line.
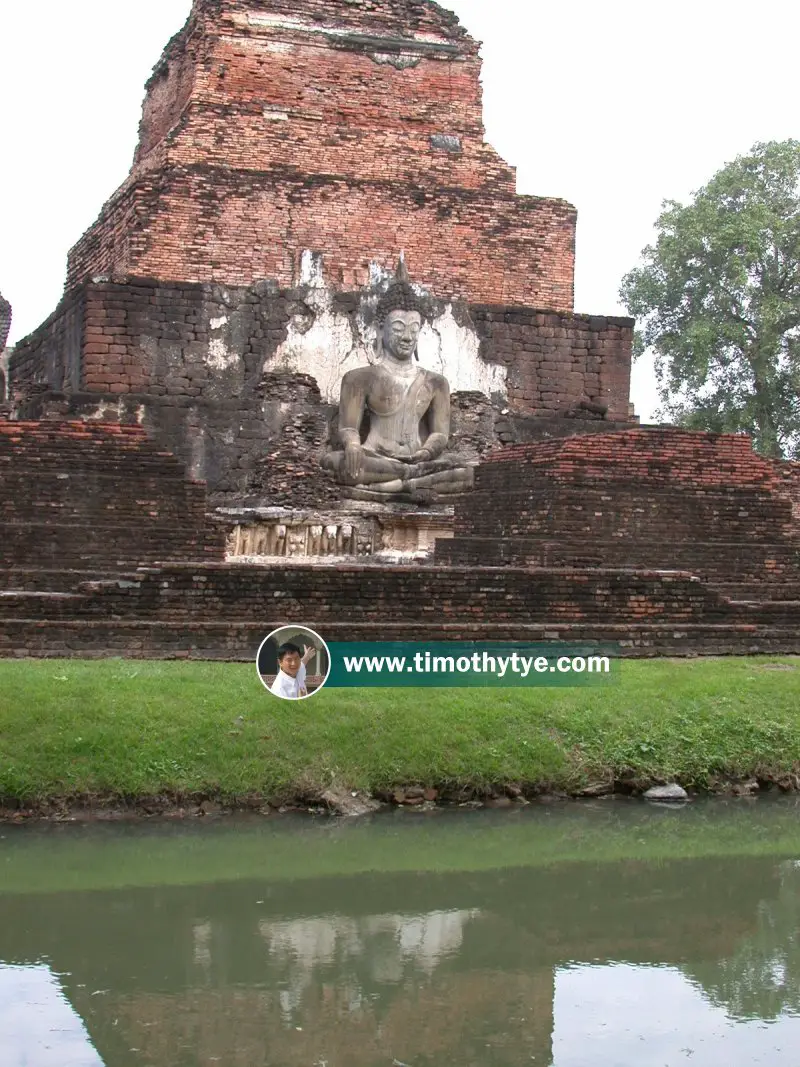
x=400 y=333
x=401 y=315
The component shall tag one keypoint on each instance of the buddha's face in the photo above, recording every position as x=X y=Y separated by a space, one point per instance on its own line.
x=401 y=332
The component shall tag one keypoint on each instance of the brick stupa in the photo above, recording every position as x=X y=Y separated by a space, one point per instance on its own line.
x=350 y=127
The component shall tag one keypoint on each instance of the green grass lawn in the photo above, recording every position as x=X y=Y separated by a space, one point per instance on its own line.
x=127 y=729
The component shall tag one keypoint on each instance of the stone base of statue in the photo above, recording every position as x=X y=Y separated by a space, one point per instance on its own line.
x=413 y=496
x=370 y=531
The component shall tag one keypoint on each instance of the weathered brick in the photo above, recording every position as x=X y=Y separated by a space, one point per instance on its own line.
x=325 y=133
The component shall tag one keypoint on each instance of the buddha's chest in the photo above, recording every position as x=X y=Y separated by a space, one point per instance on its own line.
x=390 y=397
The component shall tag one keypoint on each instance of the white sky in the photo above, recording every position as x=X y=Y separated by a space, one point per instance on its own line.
x=614 y=106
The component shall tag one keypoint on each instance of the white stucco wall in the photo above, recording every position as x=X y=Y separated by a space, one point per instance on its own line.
x=5 y=358
x=454 y=351
x=331 y=347
x=326 y=351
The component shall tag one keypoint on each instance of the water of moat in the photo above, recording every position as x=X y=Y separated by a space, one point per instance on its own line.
x=609 y=934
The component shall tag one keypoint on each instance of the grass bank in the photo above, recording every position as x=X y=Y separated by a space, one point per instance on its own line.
x=125 y=729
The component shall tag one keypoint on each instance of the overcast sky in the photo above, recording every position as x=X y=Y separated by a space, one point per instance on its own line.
x=614 y=106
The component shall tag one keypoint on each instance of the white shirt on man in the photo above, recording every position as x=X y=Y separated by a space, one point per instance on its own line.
x=290 y=688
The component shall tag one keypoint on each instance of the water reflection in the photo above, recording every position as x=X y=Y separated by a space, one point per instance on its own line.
x=358 y=957
x=761 y=978
x=652 y=1017
x=38 y=1026
x=617 y=963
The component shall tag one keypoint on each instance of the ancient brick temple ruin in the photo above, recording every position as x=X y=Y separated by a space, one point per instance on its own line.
x=288 y=153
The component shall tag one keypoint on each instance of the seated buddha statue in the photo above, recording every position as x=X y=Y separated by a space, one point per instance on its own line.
x=394 y=416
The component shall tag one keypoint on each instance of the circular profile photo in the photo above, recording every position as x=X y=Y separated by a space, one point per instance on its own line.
x=293 y=662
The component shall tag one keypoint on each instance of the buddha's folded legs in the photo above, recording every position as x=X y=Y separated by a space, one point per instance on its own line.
x=385 y=476
x=454 y=480
x=374 y=469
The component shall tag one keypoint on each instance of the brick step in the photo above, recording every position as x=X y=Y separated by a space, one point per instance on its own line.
x=37 y=579
x=228 y=641
x=84 y=546
x=140 y=455
x=728 y=561
x=649 y=457
x=758 y=592
x=179 y=514
x=619 y=474
x=50 y=439
x=71 y=460
x=567 y=512
x=746 y=612
x=40 y=605
x=46 y=480
x=542 y=605
x=207 y=593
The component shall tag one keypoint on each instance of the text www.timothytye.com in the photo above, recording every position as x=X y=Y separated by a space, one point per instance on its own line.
x=499 y=666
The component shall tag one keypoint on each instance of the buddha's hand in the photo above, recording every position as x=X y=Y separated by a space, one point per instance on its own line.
x=353 y=462
x=424 y=455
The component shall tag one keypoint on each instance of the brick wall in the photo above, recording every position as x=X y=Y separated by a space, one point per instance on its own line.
x=224 y=612
x=206 y=224
x=146 y=361
x=663 y=498
x=85 y=501
x=150 y=336
x=351 y=130
x=380 y=598
x=52 y=356
x=742 y=569
x=625 y=511
x=156 y=353
x=659 y=455
x=557 y=360
x=76 y=496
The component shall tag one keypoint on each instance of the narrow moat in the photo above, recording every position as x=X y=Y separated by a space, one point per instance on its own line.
x=616 y=932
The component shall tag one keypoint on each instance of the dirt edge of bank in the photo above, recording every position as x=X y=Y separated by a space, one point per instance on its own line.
x=342 y=801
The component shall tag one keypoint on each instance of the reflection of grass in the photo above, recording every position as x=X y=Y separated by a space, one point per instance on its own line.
x=128 y=729
x=103 y=856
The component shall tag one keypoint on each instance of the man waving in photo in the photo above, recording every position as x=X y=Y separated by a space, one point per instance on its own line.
x=290 y=683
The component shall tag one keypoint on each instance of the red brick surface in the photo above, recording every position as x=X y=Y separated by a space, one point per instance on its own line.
x=656 y=498
x=82 y=500
x=654 y=455
x=270 y=128
x=95 y=497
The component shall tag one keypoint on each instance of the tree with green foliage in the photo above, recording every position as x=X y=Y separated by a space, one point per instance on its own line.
x=718 y=300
